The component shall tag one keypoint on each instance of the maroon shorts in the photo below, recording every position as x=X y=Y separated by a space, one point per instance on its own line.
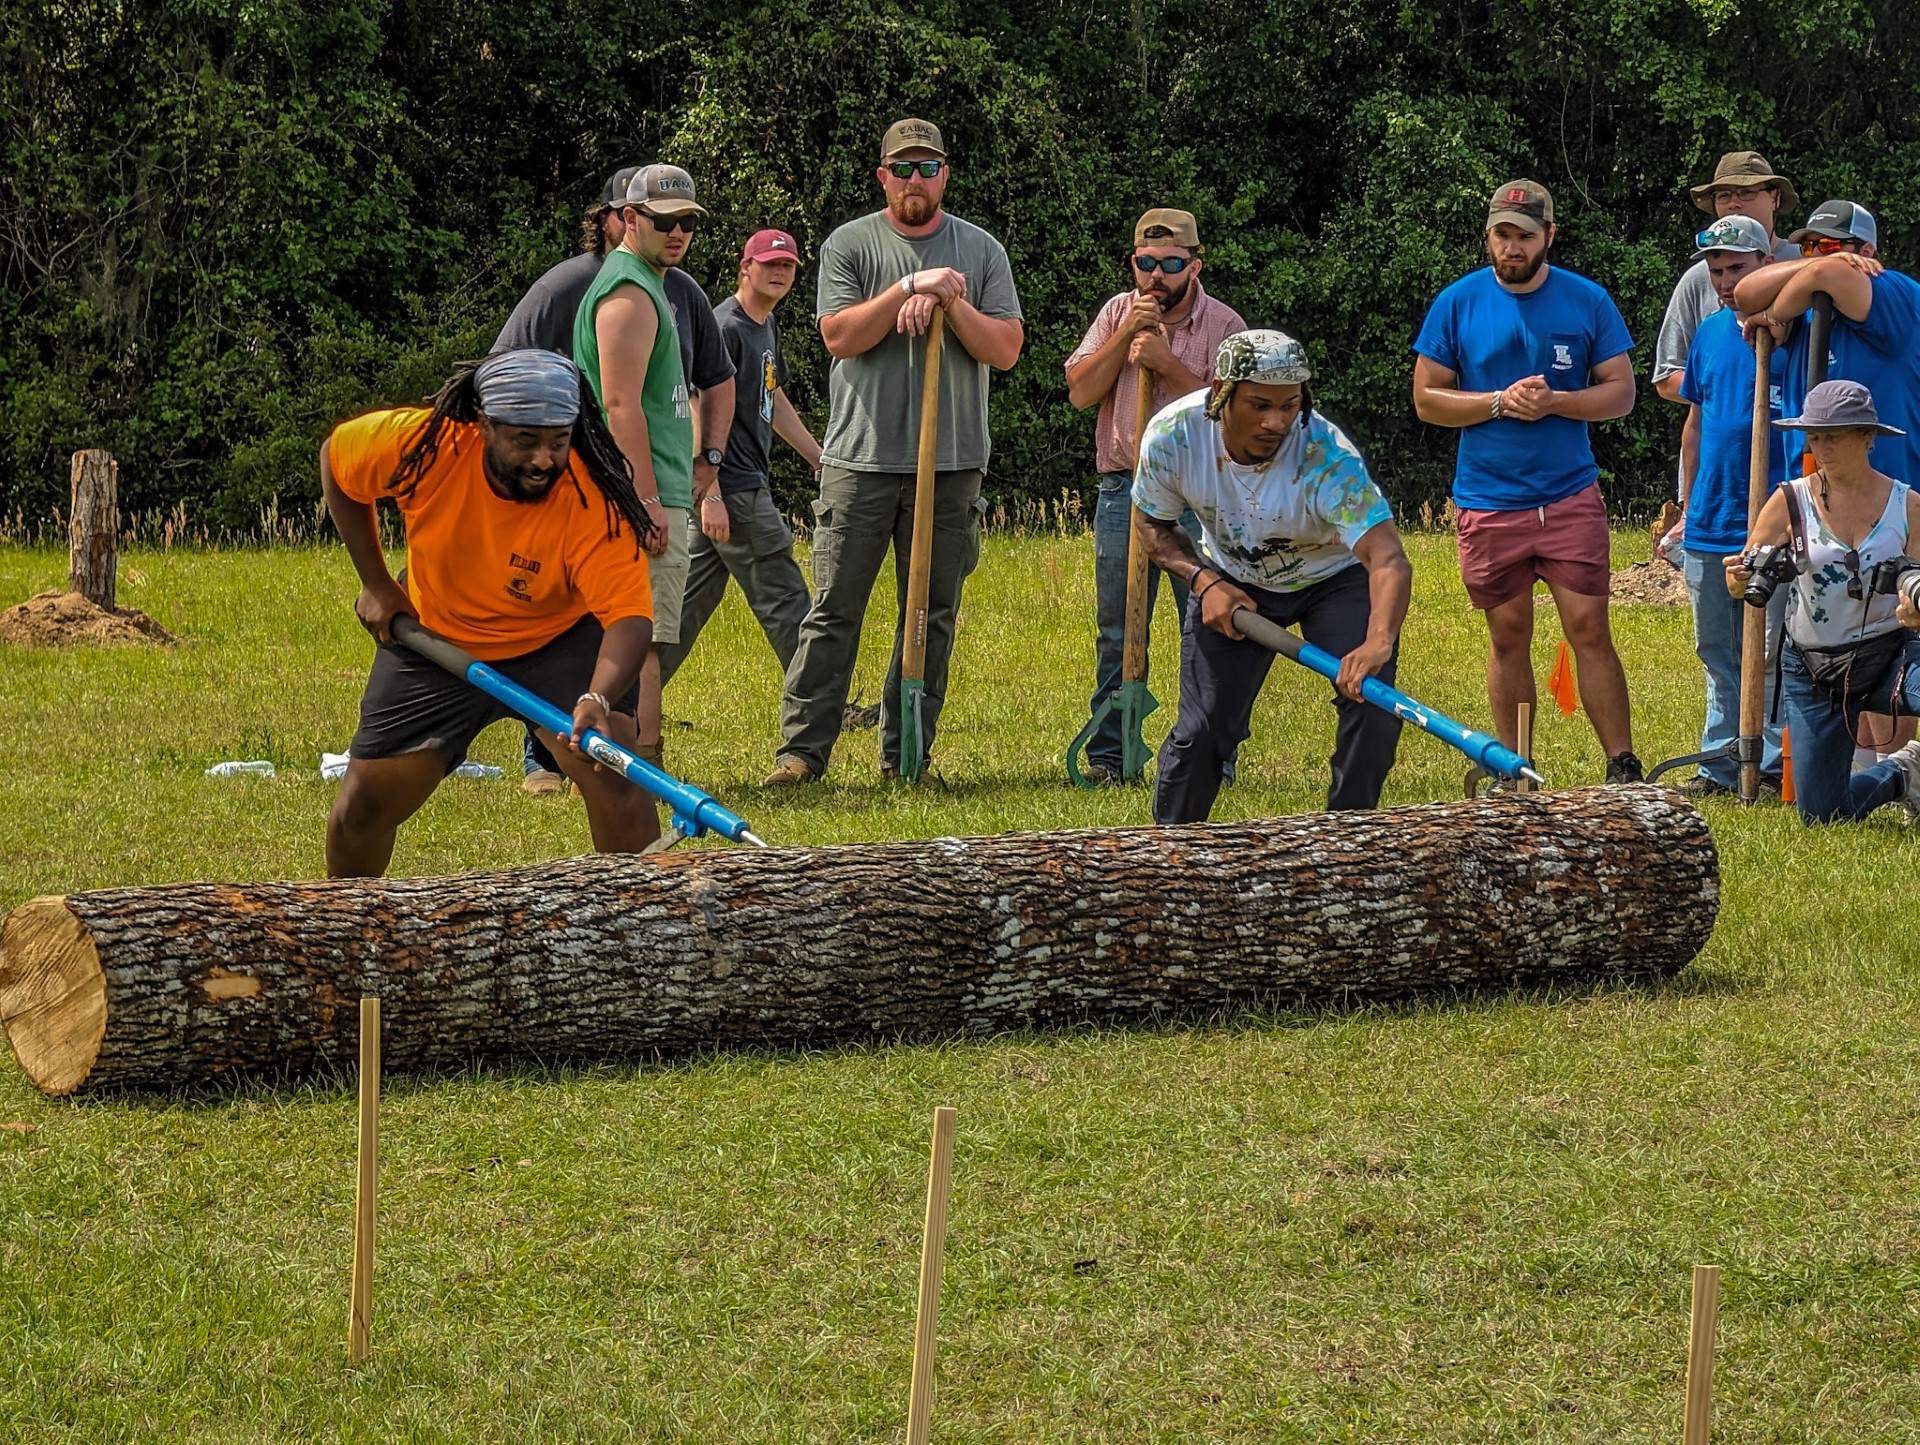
x=1565 y=544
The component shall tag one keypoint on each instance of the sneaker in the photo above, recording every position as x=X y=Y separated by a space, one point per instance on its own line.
x=1702 y=786
x=790 y=773
x=1908 y=757
x=1625 y=768
x=542 y=784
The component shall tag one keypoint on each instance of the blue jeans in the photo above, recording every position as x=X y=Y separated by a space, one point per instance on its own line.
x=1112 y=525
x=1825 y=787
x=1719 y=623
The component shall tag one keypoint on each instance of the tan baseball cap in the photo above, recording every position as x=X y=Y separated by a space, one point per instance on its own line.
x=665 y=189
x=1164 y=226
x=1521 y=203
x=912 y=134
x=1745 y=168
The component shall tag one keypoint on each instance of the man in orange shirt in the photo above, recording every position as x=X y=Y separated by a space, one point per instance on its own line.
x=524 y=546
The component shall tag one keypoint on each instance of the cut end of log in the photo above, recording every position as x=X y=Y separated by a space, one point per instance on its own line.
x=53 y=994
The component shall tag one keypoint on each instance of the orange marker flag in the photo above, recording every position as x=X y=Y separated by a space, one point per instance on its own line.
x=1561 y=684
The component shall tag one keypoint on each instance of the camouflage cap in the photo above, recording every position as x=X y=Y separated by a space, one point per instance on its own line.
x=1265 y=358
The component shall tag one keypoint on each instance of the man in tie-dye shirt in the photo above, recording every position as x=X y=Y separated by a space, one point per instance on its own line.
x=1293 y=528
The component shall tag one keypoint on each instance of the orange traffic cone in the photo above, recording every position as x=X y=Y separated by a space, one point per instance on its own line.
x=1561 y=682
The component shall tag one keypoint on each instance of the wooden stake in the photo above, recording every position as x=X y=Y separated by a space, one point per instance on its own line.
x=1523 y=736
x=94 y=534
x=913 y=646
x=1133 y=654
x=1700 y=1345
x=361 y=1321
x=933 y=1253
x=1753 y=620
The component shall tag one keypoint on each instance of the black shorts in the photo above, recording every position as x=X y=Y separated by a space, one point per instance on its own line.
x=413 y=705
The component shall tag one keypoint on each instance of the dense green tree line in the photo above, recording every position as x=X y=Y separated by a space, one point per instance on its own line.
x=224 y=225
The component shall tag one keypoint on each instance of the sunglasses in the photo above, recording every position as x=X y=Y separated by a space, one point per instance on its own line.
x=667 y=225
x=1717 y=238
x=1856 y=584
x=1825 y=245
x=1172 y=265
x=903 y=170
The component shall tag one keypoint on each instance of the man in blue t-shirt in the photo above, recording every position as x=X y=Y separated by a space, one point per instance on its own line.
x=1521 y=357
x=1717 y=386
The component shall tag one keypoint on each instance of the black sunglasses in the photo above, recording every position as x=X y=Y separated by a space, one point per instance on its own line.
x=903 y=170
x=1172 y=265
x=1856 y=584
x=667 y=225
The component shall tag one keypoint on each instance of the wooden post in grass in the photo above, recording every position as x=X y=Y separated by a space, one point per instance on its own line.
x=933 y=1253
x=1523 y=744
x=95 y=530
x=361 y=1321
x=1700 y=1345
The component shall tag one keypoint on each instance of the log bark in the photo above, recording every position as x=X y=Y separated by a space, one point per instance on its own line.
x=612 y=956
x=95 y=533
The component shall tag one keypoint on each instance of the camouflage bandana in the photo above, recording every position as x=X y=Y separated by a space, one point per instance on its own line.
x=1266 y=358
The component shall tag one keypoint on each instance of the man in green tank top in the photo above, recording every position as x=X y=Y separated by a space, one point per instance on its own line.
x=624 y=343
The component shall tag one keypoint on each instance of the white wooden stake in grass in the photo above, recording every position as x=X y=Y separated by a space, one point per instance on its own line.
x=360 y=1324
x=933 y=1253
x=1700 y=1346
x=1523 y=737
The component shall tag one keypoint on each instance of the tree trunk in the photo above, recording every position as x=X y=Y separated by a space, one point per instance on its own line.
x=95 y=533
x=603 y=956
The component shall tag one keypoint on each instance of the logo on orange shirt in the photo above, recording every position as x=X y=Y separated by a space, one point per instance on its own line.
x=520 y=589
x=525 y=564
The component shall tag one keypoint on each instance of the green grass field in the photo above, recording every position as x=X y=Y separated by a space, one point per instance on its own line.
x=1466 y=1220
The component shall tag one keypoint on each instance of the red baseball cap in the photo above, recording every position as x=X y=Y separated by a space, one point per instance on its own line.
x=770 y=246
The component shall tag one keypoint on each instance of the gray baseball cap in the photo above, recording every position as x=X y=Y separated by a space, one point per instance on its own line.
x=1835 y=405
x=1840 y=221
x=666 y=189
x=1733 y=233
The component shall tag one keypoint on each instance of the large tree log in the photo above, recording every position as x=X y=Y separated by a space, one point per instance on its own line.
x=149 y=987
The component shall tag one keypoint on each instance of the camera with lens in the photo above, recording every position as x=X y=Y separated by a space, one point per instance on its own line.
x=1896 y=574
x=1770 y=567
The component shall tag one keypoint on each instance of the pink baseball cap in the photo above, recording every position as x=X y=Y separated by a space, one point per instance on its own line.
x=770 y=246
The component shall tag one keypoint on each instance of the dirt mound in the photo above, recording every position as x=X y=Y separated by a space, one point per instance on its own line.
x=66 y=619
x=1656 y=583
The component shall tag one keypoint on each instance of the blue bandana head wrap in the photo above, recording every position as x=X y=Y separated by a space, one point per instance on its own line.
x=529 y=388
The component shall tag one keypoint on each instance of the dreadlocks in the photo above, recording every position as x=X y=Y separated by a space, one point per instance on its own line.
x=459 y=402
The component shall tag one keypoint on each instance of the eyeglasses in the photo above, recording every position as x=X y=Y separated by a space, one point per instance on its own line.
x=1741 y=193
x=1825 y=245
x=903 y=170
x=1172 y=265
x=667 y=225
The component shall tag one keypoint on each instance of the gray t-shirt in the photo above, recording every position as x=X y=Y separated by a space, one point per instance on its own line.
x=1694 y=300
x=759 y=370
x=544 y=318
x=873 y=422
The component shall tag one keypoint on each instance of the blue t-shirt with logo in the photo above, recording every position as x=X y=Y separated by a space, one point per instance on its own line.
x=1490 y=338
x=1719 y=380
x=1881 y=355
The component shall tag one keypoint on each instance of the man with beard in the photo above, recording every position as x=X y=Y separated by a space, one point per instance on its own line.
x=623 y=338
x=1167 y=325
x=750 y=541
x=544 y=319
x=1521 y=357
x=1291 y=527
x=881 y=277
x=524 y=546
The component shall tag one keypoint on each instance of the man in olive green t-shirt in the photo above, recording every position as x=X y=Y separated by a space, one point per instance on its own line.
x=881 y=277
x=625 y=345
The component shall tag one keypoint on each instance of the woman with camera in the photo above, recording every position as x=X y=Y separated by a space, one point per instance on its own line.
x=1846 y=538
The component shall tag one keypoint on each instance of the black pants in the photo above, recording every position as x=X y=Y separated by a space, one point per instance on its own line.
x=1221 y=678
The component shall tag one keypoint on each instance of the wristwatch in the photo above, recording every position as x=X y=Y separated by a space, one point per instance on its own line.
x=713 y=456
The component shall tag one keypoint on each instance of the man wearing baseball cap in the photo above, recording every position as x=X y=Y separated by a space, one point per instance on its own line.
x=752 y=543
x=544 y=320
x=1743 y=184
x=1717 y=385
x=1291 y=527
x=623 y=338
x=881 y=276
x=1166 y=324
x=1521 y=357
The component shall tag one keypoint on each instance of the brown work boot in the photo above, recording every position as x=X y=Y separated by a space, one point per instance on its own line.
x=790 y=773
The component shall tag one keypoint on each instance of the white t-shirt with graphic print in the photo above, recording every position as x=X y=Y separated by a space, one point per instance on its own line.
x=1283 y=525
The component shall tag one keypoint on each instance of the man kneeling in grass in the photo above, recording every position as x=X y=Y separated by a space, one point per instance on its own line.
x=509 y=557
x=1292 y=528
